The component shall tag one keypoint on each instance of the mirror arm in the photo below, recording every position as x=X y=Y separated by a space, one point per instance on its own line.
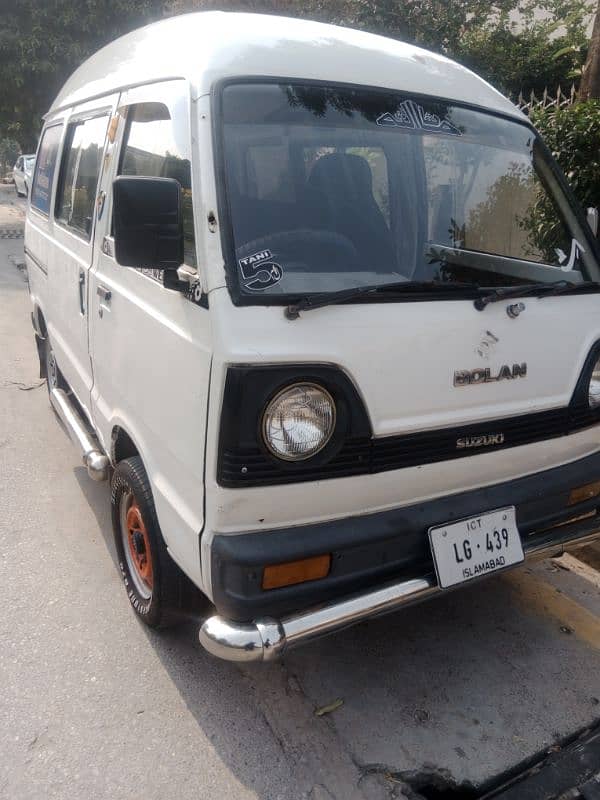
x=171 y=280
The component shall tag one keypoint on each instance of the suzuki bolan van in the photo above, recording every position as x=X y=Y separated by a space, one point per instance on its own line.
x=323 y=309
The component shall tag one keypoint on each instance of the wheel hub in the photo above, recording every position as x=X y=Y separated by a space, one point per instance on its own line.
x=140 y=548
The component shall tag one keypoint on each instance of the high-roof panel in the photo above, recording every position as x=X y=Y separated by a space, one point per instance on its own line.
x=207 y=46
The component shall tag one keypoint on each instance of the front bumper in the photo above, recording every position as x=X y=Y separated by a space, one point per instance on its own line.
x=379 y=561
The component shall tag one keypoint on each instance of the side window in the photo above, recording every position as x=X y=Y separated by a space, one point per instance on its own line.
x=80 y=169
x=41 y=191
x=153 y=148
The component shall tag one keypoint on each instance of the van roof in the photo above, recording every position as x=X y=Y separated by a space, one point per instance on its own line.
x=208 y=46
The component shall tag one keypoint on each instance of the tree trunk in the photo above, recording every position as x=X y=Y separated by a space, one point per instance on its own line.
x=590 y=81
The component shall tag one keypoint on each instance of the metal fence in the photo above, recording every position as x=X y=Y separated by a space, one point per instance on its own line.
x=558 y=99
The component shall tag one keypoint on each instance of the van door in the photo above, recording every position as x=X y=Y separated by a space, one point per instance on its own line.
x=73 y=232
x=150 y=345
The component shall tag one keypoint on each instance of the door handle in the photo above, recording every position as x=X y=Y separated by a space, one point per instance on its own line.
x=82 y=291
x=104 y=293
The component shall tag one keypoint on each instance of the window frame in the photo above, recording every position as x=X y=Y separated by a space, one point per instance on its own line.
x=58 y=123
x=71 y=123
x=124 y=110
x=241 y=298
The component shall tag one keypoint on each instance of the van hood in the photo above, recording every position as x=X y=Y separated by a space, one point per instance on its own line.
x=426 y=365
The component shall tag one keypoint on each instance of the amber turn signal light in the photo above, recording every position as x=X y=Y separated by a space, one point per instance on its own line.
x=583 y=493
x=307 y=569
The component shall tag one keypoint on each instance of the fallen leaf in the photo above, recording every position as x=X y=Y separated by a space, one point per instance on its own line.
x=329 y=708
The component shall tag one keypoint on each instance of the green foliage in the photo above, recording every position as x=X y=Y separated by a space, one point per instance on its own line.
x=9 y=152
x=43 y=41
x=573 y=135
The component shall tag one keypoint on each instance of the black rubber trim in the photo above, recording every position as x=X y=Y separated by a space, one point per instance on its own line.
x=248 y=390
x=244 y=461
x=35 y=261
x=367 y=550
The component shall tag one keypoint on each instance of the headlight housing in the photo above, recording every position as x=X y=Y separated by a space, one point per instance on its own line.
x=299 y=421
x=594 y=386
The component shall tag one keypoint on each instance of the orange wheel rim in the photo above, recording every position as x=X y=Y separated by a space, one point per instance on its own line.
x=140 y=548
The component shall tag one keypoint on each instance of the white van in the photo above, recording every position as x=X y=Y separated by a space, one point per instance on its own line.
x=323 y=307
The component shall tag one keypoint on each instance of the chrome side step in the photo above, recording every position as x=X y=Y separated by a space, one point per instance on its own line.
x=95 y=461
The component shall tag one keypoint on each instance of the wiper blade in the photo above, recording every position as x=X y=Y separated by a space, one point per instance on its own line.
x=526 y=289
x=322 y=299
x=576 y=288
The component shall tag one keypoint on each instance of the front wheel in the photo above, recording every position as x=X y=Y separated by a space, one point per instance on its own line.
x=154 y=583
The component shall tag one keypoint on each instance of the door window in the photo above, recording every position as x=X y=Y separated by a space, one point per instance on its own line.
x=44 y=169
x=80 y=170
x=153 y=148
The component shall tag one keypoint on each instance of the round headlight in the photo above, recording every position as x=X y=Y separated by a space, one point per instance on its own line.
x=594 y=388
x=299 y=421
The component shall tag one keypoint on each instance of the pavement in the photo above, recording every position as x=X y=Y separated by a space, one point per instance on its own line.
x=440 y=700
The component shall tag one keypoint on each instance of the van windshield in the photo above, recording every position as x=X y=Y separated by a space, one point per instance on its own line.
x=334 y=188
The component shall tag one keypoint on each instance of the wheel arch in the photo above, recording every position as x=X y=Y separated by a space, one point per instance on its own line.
x=39 y=322
x=122 y=445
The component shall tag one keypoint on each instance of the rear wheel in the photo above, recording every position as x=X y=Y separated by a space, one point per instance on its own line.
x=155 y=585
x=54 y=379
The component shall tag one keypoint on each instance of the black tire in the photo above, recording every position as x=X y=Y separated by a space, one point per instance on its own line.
x=160 y=603
x=52 y=373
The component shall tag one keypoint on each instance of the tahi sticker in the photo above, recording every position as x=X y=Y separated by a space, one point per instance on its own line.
x=259 y=271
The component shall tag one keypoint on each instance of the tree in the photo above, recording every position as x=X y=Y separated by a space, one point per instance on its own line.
x=43 y=41
x=544 y=50
x=9 y=152
x=590 y=81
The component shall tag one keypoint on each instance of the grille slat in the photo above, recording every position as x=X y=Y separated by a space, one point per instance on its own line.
x=365 y=456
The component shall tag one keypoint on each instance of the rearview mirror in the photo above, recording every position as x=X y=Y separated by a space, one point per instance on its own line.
x=148 y=223
x=592 y=218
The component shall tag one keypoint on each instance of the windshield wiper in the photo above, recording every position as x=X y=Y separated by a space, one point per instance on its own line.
x=568 y=286
x=542 y=289
x=322 y=299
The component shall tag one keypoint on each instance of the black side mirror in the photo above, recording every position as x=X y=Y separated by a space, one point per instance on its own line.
x=148 y=222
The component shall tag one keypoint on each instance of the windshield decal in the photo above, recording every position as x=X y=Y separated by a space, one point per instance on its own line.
x=412 y=115
x=259 y=271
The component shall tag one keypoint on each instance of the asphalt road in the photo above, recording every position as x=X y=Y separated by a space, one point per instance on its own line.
x=452 y=693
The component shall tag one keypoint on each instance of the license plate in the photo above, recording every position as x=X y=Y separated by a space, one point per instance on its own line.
x=476 y=546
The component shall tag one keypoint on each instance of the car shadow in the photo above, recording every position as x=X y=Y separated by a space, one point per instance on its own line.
x=457 y=686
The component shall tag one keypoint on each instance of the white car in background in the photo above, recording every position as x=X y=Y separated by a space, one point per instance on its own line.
x=23 y=173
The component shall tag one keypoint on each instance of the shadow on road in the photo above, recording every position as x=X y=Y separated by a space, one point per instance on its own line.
x=458 y=687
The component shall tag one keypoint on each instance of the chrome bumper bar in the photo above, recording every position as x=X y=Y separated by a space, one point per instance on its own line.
x=266 y=639
x=96 y=462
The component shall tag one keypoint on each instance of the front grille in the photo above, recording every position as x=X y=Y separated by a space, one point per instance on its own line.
x=252 y=467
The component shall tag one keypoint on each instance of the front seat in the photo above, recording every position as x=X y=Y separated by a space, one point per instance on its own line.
x=344 y=185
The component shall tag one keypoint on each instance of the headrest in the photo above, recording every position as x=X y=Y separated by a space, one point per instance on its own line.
x=341 y=173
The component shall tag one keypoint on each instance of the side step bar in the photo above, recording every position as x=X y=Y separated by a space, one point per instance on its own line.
x=95 y=461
